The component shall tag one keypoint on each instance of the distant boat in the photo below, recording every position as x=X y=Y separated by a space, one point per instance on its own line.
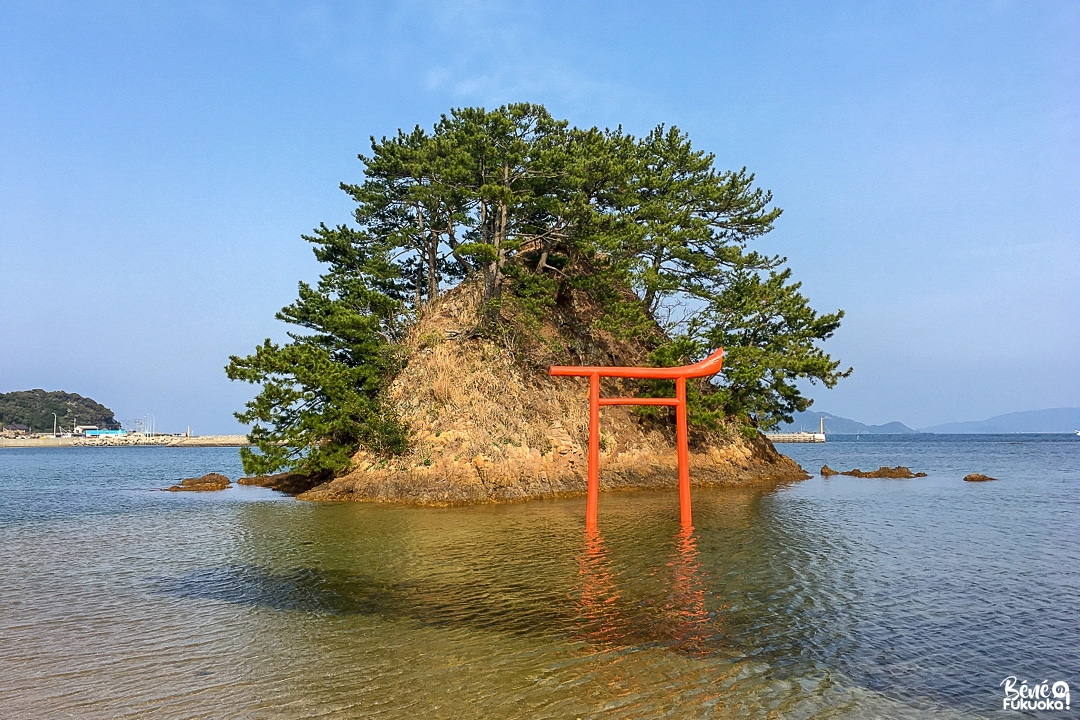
x=1078 y=432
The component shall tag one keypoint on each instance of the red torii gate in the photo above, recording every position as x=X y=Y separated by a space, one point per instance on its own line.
x=709 y=366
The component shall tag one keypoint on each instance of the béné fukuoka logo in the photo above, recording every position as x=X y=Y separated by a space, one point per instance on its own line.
x=1040 y=696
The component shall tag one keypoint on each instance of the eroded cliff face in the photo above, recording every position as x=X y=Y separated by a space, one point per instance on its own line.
x=488 y=428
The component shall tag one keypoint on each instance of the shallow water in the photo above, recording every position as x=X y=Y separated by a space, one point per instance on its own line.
x=829 y=598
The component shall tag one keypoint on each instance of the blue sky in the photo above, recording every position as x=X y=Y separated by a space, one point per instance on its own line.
x=159 y=161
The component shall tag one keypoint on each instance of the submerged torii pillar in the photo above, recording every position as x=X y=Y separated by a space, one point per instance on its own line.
x=709 y=366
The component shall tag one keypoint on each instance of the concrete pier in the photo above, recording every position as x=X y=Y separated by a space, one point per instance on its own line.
x=798 y=437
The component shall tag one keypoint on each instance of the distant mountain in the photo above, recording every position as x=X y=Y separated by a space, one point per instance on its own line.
x=1054 y=420
x=35 y=408
x=841 y=426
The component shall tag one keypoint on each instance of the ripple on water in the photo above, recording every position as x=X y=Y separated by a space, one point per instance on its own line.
x=840 y=598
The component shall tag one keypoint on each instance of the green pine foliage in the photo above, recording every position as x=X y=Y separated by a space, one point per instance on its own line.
x=533 y=209
x=321 y=392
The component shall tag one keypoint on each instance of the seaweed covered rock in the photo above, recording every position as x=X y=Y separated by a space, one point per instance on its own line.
x=899 y=472
x=289 y=483
x=208 y=482
x=978 y=477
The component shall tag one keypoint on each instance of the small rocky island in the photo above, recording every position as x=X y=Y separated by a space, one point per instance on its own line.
x=486 y=427
x=500 y=242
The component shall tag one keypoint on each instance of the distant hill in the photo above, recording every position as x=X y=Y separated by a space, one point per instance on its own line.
x=35 y=408
x=1054 y=420
x=842 y=426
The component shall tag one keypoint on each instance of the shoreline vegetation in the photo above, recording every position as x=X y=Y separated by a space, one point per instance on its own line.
x=502 y=242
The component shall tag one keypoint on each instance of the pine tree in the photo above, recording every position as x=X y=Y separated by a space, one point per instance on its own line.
x=321 y=396
x=648 y=228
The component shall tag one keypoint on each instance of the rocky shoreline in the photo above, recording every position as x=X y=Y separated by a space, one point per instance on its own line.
x=658 y=473
x=529 y=475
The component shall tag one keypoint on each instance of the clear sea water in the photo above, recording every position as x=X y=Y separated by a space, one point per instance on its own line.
x=845 y=597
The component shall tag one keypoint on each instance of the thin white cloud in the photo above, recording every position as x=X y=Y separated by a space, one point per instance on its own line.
x=491 y=53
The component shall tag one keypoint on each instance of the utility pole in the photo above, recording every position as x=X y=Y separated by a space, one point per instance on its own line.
x=54 y=424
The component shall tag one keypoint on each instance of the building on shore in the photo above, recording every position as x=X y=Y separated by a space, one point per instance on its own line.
x=105 y=433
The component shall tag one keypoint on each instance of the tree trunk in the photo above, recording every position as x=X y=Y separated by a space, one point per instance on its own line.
x=493 y=276
x=650 y=301
x=467 y=267
x=428 y=253
x=433 y=267
x=419 y=282
x=489 y=268
x=500 y=251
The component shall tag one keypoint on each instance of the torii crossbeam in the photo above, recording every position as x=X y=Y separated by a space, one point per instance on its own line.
x=709 y=366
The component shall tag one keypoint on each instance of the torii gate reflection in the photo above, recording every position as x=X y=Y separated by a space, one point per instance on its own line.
x=683 y=622
x=709 y=366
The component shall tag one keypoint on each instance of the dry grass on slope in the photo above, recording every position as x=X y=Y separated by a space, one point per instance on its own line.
x=486 y=428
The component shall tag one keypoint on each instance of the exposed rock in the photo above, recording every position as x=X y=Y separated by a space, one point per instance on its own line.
x=210 y=481
x=827 y=471
x=885 y=471
x=290 y=483
x=978 y=477
x=488 y=424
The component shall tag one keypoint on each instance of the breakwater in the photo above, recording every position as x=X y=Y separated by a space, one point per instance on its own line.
x=126 y=441
x=797 y=437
